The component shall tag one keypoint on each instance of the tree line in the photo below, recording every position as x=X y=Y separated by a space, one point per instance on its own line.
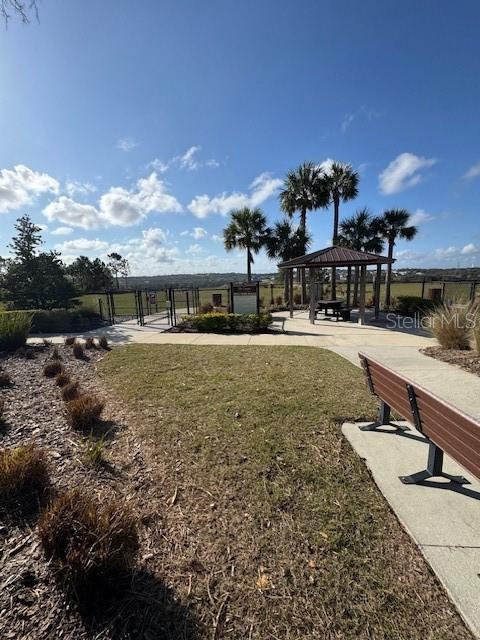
x=311 y=187
x=34 y=279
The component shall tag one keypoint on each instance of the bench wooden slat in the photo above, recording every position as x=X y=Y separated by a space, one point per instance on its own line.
x=448 y=428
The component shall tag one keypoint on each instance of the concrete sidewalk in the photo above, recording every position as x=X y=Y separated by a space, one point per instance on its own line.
x=442 y=518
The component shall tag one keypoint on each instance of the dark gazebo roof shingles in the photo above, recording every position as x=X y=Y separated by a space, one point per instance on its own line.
x=336 y=257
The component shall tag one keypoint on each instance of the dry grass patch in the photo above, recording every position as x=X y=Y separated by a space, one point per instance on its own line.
x=103 y=343
x=274 y=527
x=90 y=540
x=451 y=326
x=5 y=380
x=23 y=471
x=84 y=411
x=90 y=343
x=52 y=369
x=70 y=341
x=78 y=351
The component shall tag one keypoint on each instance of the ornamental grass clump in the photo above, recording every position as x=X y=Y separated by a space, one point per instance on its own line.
x=84 y=411
x=62 y=379
x=89 y=541
x=70 y=341
x=78 y=351
x=90 y=343
x=451 y=324
x=70 y=391
x=103 y=343
x=5 y=380
x=52 y=369
x=23 y=472
x=14 y=329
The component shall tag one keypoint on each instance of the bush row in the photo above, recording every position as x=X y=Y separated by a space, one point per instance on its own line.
x=234 y=322
x=16 y=325
x=411 y=305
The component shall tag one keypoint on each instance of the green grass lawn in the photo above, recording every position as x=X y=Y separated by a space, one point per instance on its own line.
x=276 y=529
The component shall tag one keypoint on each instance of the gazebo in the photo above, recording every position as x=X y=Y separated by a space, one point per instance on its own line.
x=337 y=257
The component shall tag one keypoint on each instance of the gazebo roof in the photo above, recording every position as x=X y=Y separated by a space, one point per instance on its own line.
x=336 y=257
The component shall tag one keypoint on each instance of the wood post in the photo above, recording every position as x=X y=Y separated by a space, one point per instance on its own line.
x=378 y=280
x=313 y=294
x=361 y=307
x=290 y=302
x=349 y=284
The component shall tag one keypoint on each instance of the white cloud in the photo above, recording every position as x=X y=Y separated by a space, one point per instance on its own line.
x=79 y=188
x=195 y=249
x=158 y=166
x=80 y=245
x=473 y=172
x=118 y=206
x=217 y=238
x=62 y=231
x=420 y=216
x=20 y=186
x=126 y=144
x=198 y=233
x=347 y=121
x=403 y=172
x=469 y=249
x=262 y=188
x=212 y=163
x=72 y=213
x=188 y=160
x=366 y=113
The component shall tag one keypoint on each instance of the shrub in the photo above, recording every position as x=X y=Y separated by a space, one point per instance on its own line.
x=451 y=326
x=89 y=540
x=52 y=369
x=205 y=308
x=297 y=298
x=5 y=379
x=235 y=322
x=60 y=320
x=103 y=343
x=78 y=351
x=70 y=341
x=84 y=411
x=279 y=301
x=62 y=379
x=410 y=305
x=23 y=470
x=14 y=329
x=90 y=343
x=70 y=391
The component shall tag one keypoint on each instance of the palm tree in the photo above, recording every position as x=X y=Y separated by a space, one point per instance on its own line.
x=342 y=185
x=360 y=232
x=304 y=190
x=393 y=225
x=286 y=242
x=247 y=230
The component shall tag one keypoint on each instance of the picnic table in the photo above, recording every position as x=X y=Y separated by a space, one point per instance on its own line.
x=337 y=307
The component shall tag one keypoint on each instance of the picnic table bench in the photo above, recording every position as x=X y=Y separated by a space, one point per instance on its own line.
x=338 y=308
x=446 y=428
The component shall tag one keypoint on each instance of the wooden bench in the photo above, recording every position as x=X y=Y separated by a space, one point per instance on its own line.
x=445 y=428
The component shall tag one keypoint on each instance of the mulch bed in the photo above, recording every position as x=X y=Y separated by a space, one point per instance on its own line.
x=32 y=605
x=467 y=360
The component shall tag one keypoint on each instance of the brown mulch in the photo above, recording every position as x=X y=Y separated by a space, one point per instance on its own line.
x=32 y=604
x=467 y=360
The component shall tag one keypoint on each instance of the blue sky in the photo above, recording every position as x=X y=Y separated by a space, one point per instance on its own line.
x=137 y=126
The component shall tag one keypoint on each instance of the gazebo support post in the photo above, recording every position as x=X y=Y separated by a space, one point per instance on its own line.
x=290 y=297
x=361 y=306
x=313 y=294
x=349 y=284
x=378 y=280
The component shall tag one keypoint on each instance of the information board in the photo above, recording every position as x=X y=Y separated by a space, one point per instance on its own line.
x=244 y=298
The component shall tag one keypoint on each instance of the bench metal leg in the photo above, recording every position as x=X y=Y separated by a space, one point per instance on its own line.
x=434 y=469
x=383 y=420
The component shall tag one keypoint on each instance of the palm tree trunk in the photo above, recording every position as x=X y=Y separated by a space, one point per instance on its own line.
x=303 y=226
x=249 y=266
x=336 y=206
x=388 y=279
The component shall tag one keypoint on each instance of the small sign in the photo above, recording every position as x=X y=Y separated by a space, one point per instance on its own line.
x=245 y=298
x=152 y=298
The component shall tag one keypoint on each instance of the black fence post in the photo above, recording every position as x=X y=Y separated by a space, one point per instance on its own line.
x=423 y=288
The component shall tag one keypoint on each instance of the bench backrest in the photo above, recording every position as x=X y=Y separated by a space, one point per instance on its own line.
x=455 y=432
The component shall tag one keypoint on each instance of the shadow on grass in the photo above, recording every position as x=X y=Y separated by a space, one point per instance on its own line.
x=138 y=605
